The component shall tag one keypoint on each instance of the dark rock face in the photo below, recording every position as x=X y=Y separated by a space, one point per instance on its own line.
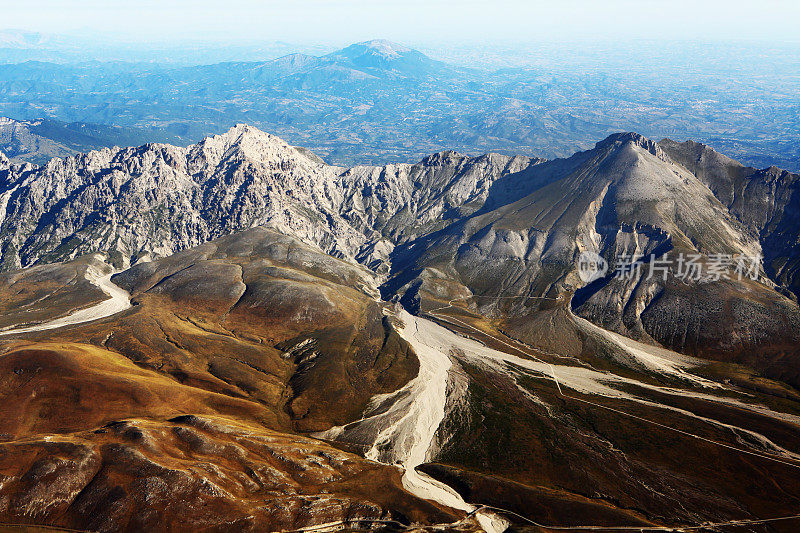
x=767 y=201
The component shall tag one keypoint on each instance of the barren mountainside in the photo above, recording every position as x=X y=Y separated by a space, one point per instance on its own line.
x=160 y=199
x=250 y=338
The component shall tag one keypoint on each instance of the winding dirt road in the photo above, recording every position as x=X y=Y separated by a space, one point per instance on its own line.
x=118 y=300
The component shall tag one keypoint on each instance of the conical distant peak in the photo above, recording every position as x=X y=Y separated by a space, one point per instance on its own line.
x=385 y=47
x=381 y=50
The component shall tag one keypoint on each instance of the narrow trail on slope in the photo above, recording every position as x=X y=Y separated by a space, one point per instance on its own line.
x=496 y=354
x=118 y=300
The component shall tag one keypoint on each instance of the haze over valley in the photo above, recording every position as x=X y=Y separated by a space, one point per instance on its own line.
x=379 y=101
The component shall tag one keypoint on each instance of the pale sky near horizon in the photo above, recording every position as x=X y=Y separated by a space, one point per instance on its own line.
x=464 y=20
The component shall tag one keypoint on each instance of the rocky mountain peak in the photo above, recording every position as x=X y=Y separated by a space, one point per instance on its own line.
x=442 y=158
x=636 y=139
x=242 y=134
x=244 y=142
x=775 y=172
x=697 y=157
x=171 y=198
x=380 y=56
x=385 y=47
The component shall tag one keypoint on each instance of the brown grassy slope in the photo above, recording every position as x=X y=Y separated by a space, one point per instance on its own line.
x=45 y=292
x=195 y=473
x=257 y=333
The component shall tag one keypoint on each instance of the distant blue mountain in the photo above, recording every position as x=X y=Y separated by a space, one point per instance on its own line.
x=379 y=101
x=381 y=56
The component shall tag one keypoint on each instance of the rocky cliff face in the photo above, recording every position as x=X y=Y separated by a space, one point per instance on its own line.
x=159 y=199
x=766 y=201
x=504 y=230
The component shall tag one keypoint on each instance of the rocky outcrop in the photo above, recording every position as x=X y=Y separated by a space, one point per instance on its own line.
x=200 y=472
x=767 y=201
x=160 y=199
x=506 y=231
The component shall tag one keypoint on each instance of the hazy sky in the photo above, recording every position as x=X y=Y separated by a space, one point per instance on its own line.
x=411 y=20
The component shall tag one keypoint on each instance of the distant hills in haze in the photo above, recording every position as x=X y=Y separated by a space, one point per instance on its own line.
x=37 y=141
x=379 y=101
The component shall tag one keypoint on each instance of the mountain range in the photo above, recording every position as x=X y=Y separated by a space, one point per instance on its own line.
x=252 y=338
x=378 y=102
x=38 y=141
